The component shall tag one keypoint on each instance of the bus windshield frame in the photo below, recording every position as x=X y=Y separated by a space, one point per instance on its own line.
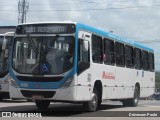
x=43 y=54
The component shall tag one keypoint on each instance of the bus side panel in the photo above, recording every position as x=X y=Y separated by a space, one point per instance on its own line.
x=124 y=82
x=66 y=94
x=84 y=88
x=140 y=79
x=147 y=88
x=146 y=80
x=151 y=83
x=105 y=74
x=130 y=82
x=108 y=81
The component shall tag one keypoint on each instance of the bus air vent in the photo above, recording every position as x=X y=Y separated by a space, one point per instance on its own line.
x=39 y=79
x=45 y=94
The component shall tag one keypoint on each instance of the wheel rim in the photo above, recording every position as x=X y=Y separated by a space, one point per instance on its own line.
x=136 y=96
x=94 y=101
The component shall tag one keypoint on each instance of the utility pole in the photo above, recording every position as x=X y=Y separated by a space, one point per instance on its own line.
x=23 y=6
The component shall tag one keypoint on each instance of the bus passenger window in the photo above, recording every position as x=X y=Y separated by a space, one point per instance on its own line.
x=119 y=52
x=109 y=57
x=151 y=61
x=137 y=58
x=97 y=52
x=145 y=60
x=129 y=56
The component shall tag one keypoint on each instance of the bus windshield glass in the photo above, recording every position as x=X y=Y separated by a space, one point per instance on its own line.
x=43 y=55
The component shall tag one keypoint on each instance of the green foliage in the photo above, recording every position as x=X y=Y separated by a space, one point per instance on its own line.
x=158 y=80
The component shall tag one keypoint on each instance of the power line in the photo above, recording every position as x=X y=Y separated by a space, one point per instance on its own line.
x=80 y=2
x=69 y=4
x=90 y=9
x=96 y=9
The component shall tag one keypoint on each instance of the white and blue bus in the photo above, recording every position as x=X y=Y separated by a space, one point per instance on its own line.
x=73 y=62
x=5 y=46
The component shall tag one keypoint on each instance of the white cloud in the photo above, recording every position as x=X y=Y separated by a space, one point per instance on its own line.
x=134 y=23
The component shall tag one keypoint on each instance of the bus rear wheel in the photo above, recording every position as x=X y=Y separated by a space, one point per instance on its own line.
x=92 y=105
x=42 y=104
x=134 y=101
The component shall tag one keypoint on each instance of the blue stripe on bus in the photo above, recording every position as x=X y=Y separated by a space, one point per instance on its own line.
x=114 y=37
x=56 y=85
x=42 y=85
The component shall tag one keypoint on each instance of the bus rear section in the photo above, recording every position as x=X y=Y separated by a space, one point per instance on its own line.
x=5 y=46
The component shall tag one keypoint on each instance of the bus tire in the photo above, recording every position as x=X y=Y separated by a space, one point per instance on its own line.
x=92 y=105
x=134 y=101
x=42 y=104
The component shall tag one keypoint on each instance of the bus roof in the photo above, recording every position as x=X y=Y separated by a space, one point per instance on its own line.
x=100 y=32
x=114 y=37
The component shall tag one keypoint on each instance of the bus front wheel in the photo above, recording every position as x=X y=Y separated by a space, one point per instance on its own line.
x=91 y=106
x=42 y=104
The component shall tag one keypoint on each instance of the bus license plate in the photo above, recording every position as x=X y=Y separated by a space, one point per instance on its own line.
x=37 y=97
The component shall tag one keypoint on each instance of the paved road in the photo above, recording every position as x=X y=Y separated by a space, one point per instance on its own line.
x=109 y=109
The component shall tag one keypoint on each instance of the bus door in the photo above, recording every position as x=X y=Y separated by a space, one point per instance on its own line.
x=83 y=69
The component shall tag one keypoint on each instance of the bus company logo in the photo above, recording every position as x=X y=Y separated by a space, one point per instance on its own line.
x=108 y=75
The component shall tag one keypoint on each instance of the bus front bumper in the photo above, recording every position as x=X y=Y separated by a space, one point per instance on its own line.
x=67 y=94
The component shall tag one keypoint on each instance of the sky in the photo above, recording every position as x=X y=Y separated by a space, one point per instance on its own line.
x=138 y=20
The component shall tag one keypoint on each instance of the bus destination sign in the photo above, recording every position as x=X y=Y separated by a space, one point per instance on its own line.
x=46 y=29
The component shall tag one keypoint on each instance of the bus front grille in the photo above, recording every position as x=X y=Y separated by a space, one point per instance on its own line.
x=40 y=79
x=45 y=94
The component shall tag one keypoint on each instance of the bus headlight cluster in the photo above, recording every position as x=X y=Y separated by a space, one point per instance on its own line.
x=12 y=82
x=67 y=83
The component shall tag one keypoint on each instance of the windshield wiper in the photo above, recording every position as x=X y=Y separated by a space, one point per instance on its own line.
x=32 y=44
x=49 y=46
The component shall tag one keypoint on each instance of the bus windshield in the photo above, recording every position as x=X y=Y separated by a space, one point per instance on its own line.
x=43 y=55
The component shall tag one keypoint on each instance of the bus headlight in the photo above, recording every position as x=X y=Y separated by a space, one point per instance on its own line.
x=12 y=82
x=67 y=83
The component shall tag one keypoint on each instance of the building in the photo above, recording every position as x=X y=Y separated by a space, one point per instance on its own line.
x=4 y=29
